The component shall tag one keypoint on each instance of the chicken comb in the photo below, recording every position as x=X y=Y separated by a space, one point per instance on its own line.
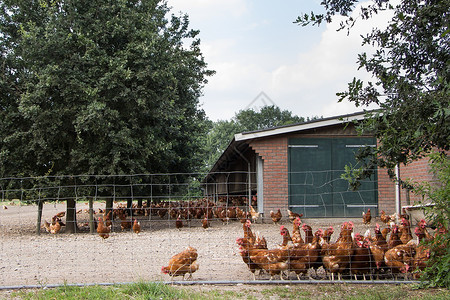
x=282 y=227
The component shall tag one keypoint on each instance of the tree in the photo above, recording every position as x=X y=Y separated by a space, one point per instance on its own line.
x=222 y=132
x=89 y=87
x=411 y=67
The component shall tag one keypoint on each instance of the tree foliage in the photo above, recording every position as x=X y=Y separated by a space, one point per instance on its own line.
x=411 y=67
x=89 y=87
x=436 y=274
x=411 y=70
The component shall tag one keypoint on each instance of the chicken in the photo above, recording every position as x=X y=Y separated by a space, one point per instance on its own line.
x=378 y=247
x=52 y=228
x=244 y=247
x=284 y=232
x=241 y=215
x=385 y=232
x=205 y=223
x=361 y=262
x=296 y=236
x=327 y=234
x=107 y=219
x=136 y=226
x=254 y=215
x=179 y=223
x=293 y=215
x=273 y=261
x=102 y=230
x=394 y=240
x=231 y=213
x=275 y=216
x=400 y=258
x=367 y=217
x=384 y=218
x=124 y=223
x=405 y=231
x=5 y=207
x=308 y=233
x=61 y=214
x=305 y=256
x=336 y=257
x=423 y=251
x=182 y=263
x=249 y=237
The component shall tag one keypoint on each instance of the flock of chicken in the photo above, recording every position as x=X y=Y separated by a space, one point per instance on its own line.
x=392 y=250
x=352 y=254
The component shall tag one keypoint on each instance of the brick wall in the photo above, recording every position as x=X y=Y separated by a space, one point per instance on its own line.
x=418 y=171
x=274 y=152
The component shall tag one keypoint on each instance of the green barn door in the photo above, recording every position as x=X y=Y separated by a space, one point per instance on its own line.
x=309 y=191
x=348 y=203
x=315 y=186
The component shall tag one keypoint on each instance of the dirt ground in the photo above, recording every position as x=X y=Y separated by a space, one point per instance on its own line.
x=30 y=259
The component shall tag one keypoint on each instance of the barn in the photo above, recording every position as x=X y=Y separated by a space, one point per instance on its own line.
x=299 y=167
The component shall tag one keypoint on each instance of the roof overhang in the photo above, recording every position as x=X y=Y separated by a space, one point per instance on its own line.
x=299 y=127
x=241 y=140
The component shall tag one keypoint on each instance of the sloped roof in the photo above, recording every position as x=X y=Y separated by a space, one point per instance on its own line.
x=239 y=142
x=299 y=126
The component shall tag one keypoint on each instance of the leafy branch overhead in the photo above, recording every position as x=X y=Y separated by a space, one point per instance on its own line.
x=411 y=74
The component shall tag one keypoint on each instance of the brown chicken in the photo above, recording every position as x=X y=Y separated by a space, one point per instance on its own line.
x=400 y=258
x=243 y=249
x=405 y=231
x=275 y=216
x=182 y=263
x=292 y=215
x=107 y=219
x=125 y=224
x=296 y=235
x=309 y=236
x=102 y=230
x=361 y=262
x=179 y=223
x=136 y=226
x=423 y=250
x=52 y=228
x=305 y=256
x=249 y=237
x=241 y=215
x=336 y=257
x=378 y=247
x=205 y=223
x=273 y=261
x=284 y=232
x=394 y=239
x=61 y=214
x=367 y=217
x=254 y=214
x=384 y=218
x=327 y=234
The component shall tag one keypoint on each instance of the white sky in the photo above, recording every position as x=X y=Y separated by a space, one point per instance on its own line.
x=254 y=47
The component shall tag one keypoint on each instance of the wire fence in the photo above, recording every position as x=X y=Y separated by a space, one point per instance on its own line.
x=49 y=227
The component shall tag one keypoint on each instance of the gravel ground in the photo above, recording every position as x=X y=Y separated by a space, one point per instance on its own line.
x=30 y=259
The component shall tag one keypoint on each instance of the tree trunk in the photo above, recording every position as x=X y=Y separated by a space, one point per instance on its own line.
x=71 y=216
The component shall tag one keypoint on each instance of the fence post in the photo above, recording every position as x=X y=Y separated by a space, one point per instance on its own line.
x=39 y=217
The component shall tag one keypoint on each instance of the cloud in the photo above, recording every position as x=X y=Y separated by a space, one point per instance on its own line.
x=308 y=86
x=205 y=9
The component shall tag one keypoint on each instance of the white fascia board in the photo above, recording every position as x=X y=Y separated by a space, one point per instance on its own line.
x=299 y=127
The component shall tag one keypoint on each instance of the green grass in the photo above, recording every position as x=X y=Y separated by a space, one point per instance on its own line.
x=143 y=290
